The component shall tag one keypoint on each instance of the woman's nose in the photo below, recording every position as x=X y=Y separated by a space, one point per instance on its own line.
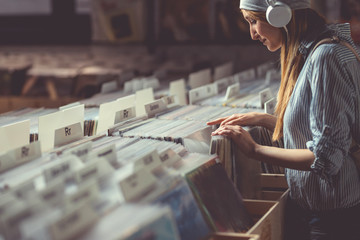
x=254 y=35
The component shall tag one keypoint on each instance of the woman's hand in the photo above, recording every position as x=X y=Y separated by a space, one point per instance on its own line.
x=240 y=137
x=245 y=119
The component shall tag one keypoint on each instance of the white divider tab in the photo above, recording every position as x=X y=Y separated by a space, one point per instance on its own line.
x=90 y=171
x=81 y=151
x=19 y=156
x=50 y=122
x=178 y=88
x=245 y=75
x=108 y=152
x=155 y=107
x=221 y=85
x=53 y=193
x=168 y=157
x=143 y=97
x=202 y=93
x=223 y=70
x=14 y=135
x=232 y=91
x=151 y=82
x=200 y=78
x=85 y=194
x=68 y=134
x=125 y=114
x=61 y=167
x=270 y=106
x=23 y=189
x=73 y=222
x=265 y=95
x=263 y=68
x=150 y=161
x=108 y=87
x=137 y=184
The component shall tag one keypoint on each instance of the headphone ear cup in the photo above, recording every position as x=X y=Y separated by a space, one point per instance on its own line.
x=278 y=15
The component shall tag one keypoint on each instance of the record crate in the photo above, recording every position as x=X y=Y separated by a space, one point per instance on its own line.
x=16 y=102
x=273 y=186
x=268 y=216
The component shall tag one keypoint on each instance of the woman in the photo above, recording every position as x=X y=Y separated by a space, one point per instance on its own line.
x=317 y=115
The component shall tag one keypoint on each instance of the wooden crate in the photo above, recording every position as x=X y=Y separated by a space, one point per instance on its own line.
x=273 y=186
x=269 y=221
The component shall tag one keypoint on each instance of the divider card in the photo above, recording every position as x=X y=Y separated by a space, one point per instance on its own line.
x=270 y=106
x=202 y=93
x=125 y=114
x=232 y=91
x=50 y=122
x=178 y=88
x=14 y=135
x=223 y=70
x=245 y=75
x=108 y=87
x=155 y=107
x=265 y=95
x=200 y=78
x=143 y=97
x=107 y=113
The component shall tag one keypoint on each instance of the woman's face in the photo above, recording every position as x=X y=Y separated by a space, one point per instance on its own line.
x=270 y=36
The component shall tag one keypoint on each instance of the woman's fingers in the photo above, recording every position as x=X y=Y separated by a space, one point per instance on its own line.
x=216 y=121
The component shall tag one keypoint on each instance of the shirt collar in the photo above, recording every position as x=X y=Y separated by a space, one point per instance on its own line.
x=321 y=32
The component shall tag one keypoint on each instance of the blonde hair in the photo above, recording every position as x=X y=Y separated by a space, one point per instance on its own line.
x=291 y=59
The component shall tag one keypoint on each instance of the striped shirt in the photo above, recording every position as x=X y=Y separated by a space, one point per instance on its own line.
x=323 y=115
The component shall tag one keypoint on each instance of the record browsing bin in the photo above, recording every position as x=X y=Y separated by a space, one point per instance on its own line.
x=273 y=186
x=268 y=216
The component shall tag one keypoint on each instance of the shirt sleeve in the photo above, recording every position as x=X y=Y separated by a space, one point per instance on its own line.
x=331 y=111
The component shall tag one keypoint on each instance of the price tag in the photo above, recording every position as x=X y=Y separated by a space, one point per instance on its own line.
x=81 y=151
x=125 y=114
x=19 y=156
x=143 y=97
x=68 y=134
x=265 y=95
x=245 y=75
x=150 y=161
x=137 y=184
x=14 y=135
x=202 y=93
x=232 y=91
x=270 y=106
x=73 y=222
x=200 y=78
x=178 y=88
x=155 y=107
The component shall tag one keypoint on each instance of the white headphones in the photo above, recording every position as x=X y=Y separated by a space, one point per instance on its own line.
x=278 y=14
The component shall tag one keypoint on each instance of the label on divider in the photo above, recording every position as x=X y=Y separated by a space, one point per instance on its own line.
x=168 y=157
x=125 y=114
x=20 y=155
x=169 y=100
x=54 y=192
x=63 y=167
x=232 y=91
x=73 y=222
x=245 y=75
x=108 y=152
x=68 y=134
x=155 y=107
x=265 y=95
x=270 y=106
x=201 y=93
x=85 y=194
x=81 y=151
x=137 y=184
x=149 y=161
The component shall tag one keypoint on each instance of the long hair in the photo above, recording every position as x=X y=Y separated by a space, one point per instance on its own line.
x=291 y=59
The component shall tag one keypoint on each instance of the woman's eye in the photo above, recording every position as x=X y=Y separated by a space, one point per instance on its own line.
x=252 y=21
